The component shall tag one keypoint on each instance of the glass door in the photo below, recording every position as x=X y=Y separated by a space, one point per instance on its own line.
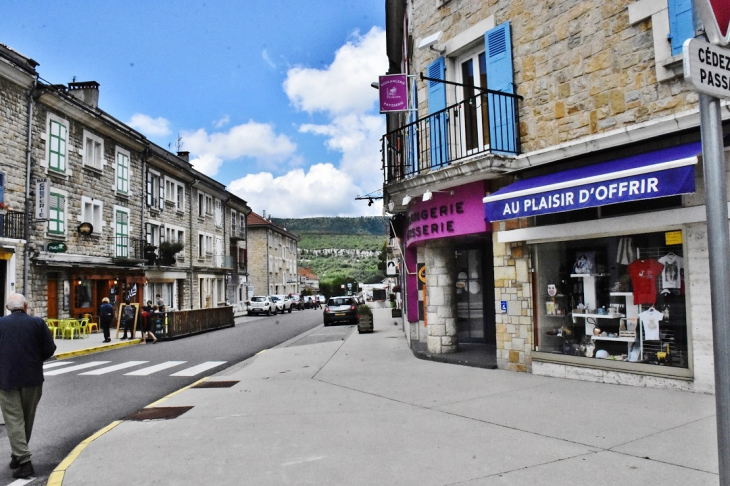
x=470 y=295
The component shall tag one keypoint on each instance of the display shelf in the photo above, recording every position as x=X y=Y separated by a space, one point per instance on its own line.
x=621 y=294
x=588 y=275
x=618 y=339
x=599 y=316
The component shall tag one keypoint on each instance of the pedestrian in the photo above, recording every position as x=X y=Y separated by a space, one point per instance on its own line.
x=146 y=323
x=25 y=343
x=129 y=313
x=160 y=303
x=106 y=314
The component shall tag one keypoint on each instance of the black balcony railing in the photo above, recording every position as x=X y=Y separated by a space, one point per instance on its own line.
x=11 y=225
x=126 y=248
x=485 y=123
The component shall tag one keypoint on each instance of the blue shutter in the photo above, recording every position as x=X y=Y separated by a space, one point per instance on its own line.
x=681 y=26
x=502 y=119
x=438 y=130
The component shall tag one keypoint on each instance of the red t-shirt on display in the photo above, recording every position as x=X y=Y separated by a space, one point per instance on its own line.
x=644 y=275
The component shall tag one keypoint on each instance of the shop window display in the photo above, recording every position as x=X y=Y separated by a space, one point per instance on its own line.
x=616 y=298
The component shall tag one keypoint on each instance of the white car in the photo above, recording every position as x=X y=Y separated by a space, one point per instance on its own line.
x=261 y=304
x=283 y=303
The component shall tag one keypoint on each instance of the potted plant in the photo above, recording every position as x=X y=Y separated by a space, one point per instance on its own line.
x=149 y=253
x=168 y=250
x=364 y=318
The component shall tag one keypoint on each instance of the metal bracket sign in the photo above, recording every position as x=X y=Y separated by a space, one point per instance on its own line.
x=707 y=67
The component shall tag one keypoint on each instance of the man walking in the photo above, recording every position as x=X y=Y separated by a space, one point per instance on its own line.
x=25 y=343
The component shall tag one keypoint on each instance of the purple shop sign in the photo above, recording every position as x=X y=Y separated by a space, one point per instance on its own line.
x=393 y=93
x=447 y=216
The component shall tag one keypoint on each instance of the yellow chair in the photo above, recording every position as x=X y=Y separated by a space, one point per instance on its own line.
x=70 y=327
x=91 y=326
x=83 y=327
x=52 y=326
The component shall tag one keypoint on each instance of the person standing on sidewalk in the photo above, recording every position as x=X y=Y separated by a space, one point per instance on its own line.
x=25 y=343
x=106 y=314
x=129 y=314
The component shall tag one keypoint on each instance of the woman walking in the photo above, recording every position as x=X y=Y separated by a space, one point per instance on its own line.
x=106 y=314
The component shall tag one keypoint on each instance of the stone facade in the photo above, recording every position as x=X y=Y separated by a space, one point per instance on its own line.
x=440 y=303
x=272 y=255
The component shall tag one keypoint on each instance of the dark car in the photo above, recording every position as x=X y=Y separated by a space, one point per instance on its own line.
x=340 y=309
x=296 y=301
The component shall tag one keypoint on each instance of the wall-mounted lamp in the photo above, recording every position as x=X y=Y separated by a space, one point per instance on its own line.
x=428 y=42
x=375 y=85
x=79 y=282
x=406 y=200
x=428 y=195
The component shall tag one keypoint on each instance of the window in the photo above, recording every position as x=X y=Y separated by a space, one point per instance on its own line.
x=243 y=225
x=180 y=201
x=152 y=232
x=201 y=204
x=234 y=219
x=164 y=289
x=174 y=234
x=201 y=245
x=121 y=232
x=92 y=211
x=155 y=191
x=175 y=193
x=218 y=251
x=93 y=155
x=208 y=204
x=218 y=213
x=208 y=245
x=474 y=124
x=57 y=214
x=122 y=171
x=57 y=139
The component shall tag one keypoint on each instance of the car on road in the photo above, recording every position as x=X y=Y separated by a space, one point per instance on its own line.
x=261 y=304
x=282 y=303
x=296 y=301
x=340 y=309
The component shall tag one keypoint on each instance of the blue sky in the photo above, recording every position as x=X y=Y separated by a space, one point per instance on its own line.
x=271 y=97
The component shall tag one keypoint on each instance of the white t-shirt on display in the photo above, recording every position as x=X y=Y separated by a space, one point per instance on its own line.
x=671 y=278
x=650 y=320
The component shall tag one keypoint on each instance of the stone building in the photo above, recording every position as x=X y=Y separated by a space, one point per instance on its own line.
x=569 y=125
x=109 y=213
x=272 y=254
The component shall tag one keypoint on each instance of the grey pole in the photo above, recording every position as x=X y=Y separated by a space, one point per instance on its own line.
x=718 y=242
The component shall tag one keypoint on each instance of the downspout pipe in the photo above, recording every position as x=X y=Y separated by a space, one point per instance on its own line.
x=26 y=218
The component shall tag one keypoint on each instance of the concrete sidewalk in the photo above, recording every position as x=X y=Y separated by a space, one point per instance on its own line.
x=365 y=411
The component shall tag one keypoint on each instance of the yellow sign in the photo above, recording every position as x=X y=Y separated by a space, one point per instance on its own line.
x=673 y=238
x=422 y=274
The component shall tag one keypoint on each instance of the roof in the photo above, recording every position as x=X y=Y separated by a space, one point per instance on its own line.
x=307 y=273
x=254 y=220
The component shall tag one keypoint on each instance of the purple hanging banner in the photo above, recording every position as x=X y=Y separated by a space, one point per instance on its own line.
x=393 y=93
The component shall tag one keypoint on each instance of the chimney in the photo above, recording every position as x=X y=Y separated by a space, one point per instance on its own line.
x=86 y=91
x=184 y=155
x=264 y=214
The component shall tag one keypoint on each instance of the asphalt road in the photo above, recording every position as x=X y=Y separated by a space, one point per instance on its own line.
x=116 y=383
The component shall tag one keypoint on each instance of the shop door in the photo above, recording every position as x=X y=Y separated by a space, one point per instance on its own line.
x=52 y=298
x=474 y=296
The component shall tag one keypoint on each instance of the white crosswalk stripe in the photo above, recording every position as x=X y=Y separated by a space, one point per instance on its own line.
x=198 y=369
x=154 y=369
x=69 y=369
x=110 y=369
x=56 y=364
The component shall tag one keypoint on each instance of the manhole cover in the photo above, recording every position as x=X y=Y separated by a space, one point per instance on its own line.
x=215 y=384
x=158 y=413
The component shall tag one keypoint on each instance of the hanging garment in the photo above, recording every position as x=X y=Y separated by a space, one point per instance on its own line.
x=626 y=251
x=650 y=322
x=671 y=275
x=644 y=274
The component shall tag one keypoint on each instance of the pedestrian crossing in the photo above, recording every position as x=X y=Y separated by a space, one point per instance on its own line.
x=105 y=367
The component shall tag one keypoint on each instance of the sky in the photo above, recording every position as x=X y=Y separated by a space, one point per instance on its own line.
x=270 y=97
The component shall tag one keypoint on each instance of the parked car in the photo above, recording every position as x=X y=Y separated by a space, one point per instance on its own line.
x=261 y=304
x=282 y=302
x=340 y=309
x=296 y=301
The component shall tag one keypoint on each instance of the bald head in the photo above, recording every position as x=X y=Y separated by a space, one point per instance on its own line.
x=16 y=302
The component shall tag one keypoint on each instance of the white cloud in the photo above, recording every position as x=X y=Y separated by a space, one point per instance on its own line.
x=344 y=87
x=267 y=59
x=252 y=139
x=322 y=191
x=154 y=127
x=222 y=122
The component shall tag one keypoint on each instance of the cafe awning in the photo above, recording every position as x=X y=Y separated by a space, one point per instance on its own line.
x=661 y=173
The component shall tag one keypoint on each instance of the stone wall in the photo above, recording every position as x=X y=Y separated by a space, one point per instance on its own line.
x=441 y=296
x=258 y=264
x=581 y=67
x=512 y=284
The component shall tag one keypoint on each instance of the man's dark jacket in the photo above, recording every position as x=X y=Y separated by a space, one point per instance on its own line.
x=25 y=343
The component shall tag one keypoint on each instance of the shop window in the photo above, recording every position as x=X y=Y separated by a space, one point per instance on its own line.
x=83 y=294
x=617 y=299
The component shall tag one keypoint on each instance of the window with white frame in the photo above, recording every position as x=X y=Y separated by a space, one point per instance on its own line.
x=218 y=251
x=174 y=234
x=153 y=233
x=208 y=204
x=92 y=211
x=166 y=290
x=57 y=213
x=234 y=220
x=155 y=191
x=121 y=232
x=122 y=171
x=243 y=225
x=201 y=245
x=218 y=212
x=93 y=155
x=175 y=193
x=208 y=245
x=180 y=198
x=56 y=143
x=471 y=71
x=201 y=204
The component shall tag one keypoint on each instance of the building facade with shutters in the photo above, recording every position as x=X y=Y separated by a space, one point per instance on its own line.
x=546 y=187
x=97 y=210
x=272 y=257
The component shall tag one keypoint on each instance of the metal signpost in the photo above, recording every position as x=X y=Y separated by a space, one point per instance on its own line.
x=707 y=68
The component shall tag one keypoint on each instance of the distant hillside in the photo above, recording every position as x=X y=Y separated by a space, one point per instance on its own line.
x=340 y=249
x=364 y=225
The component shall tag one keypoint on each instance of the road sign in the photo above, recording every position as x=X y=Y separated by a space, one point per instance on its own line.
x=707 y=67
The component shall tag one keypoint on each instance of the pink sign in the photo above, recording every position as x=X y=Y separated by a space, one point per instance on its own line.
x=446 y=216
x=393 y=93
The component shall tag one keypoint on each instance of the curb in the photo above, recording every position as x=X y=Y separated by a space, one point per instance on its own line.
x=96 y=349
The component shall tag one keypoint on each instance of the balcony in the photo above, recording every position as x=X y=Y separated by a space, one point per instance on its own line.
x=487 y=123
x=237 y=233
x=11 y=225
x=128 y=250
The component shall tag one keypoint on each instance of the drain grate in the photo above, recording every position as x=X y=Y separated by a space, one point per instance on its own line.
x=158 y=413
x=215 y=384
